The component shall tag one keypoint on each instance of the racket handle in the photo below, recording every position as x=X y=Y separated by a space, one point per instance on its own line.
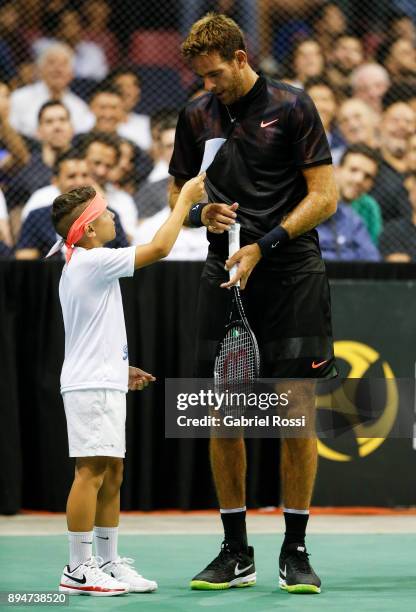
x=233 y=245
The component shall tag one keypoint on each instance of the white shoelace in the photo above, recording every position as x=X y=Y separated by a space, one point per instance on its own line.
x=127 y=562
x=96 y=575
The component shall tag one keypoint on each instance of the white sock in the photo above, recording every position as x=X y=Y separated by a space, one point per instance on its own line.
x=106 y=539
x=80 y=548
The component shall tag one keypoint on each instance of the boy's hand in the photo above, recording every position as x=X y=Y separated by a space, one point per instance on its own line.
x=139 y=379
x=194 y=190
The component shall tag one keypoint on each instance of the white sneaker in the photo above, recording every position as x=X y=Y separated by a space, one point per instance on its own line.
x=88 y=579
x=121 y=569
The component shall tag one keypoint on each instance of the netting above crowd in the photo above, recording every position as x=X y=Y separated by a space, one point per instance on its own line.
x=90 y=91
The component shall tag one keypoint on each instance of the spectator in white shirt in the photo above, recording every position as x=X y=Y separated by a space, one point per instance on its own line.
x=5 y=234
x=55 y=66
x=102 y=152
x=90 y=61
x=135 y=126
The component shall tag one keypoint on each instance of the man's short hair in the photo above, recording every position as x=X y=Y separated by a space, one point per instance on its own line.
x=66 y=208
x=400 y=91
x=105 y=87
x=109 y=140
x=67 y=156
x=122 y=71
x=49 y=104
x=318 y=81
x=361 y=149
x=214 y=33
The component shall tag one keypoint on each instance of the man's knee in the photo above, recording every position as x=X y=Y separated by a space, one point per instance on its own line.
x=114 y=473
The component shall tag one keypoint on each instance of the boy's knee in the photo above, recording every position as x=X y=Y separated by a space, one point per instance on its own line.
x=115 y=470
x=91 y=469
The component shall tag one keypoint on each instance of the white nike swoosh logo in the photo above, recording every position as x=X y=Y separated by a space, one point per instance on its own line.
x=283 y=572
x=275 y=245
x=238 y=571
x=264 y=124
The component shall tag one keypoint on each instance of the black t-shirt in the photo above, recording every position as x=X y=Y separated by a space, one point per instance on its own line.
x=271 y=133
x=399 y=236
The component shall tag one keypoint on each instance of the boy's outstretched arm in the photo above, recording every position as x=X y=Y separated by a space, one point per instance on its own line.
x=139 y=379
x=164 y=239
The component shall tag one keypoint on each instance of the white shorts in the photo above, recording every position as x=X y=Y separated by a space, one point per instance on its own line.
x=96 y=422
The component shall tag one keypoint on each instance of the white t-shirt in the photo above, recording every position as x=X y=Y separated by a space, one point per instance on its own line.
x=96 y=354
x=137 y=129
x=124 y=206
x=3 y=206
x=191 y=245
x=40 y=198
x=26 y=101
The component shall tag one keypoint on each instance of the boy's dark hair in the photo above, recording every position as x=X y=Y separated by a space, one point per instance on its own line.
x=66 y=208
x=109 y=140
x=49 y=104
x=318 y=81
x=361 y=149
x=105 y=87
x=214 y=33
x=67 y=156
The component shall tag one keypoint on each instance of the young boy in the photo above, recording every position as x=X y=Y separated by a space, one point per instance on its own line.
x=95 y=378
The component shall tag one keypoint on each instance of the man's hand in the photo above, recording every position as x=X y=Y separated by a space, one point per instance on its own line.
x=218 y=217
x=139 y=379
x=246 y=259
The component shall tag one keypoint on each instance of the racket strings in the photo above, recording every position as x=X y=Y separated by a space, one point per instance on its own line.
x=236 y=362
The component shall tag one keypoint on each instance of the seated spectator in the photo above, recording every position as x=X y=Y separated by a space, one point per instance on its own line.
x=344 y=236
x=346 y=56
x=401 y=91
x=102 y=152
x=396 y=128
x=97 y=14
x=38 y=234
x=123 y=176
x=11 y=32
x=369 y=82
x=70 y=168
x=329 y=22
x=325 y=101
x=152 y=196
x=107 y=107
x=89 y=59
x=5 y=233
x=358 y=123
x=55 y=133
x=274 y=14
x=399 y=57
x=304 y=62
x=401 y=25
x=191 y=244
x=13 y=150
x=56 y=72
x=398 y=241
x=135 y=127
x=355 y=176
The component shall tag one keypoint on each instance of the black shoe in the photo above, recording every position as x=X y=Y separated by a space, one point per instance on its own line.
x=295 y=572
x=229 y=569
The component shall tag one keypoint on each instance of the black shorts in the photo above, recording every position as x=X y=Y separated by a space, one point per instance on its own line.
x=290 y=317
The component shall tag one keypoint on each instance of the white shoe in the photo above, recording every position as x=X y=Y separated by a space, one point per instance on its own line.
x=121 y=569
x=88 y=579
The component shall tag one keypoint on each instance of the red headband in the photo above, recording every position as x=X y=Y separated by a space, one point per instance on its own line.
x=94 y=209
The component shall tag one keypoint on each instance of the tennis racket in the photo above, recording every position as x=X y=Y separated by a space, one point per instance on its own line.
x=237 y=362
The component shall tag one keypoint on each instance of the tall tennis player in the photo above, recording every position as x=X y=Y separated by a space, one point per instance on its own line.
x=272 y=157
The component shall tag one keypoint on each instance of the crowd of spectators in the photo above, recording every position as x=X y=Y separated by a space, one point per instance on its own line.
x=86 y=96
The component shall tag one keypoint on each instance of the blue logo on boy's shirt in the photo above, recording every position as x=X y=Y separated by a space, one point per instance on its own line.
x=125 y=352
